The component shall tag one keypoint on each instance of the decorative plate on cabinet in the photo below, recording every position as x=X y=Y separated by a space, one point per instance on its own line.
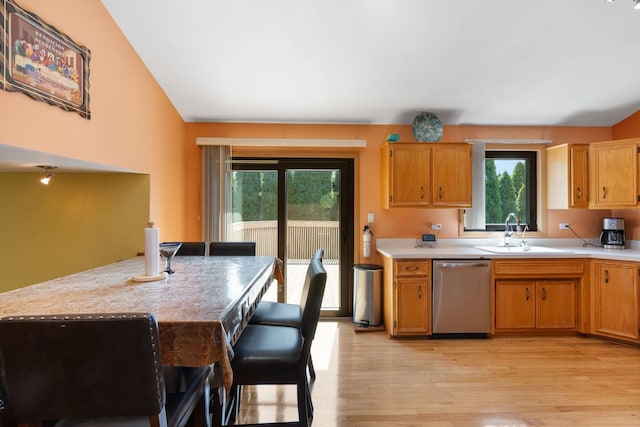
x=427 y=127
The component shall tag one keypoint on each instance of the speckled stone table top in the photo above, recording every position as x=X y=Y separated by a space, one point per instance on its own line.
x=201 y=308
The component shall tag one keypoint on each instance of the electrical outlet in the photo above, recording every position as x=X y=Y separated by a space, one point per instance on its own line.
x=564 y=226
x=436 y=226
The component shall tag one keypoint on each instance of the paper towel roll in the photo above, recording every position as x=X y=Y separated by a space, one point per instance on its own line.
x=151 y=251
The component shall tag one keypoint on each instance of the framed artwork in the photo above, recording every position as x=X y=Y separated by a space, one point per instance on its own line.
x=42 y=62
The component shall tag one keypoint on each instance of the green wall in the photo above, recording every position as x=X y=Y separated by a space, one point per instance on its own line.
x=79 y=221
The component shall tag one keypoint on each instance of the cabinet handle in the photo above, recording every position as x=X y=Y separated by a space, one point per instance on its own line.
x=528 y=294
x=579 y=193
x=606 y=276
x=439 y=192
x=420 y=292
x=544 y=294
x=422 y=192
x=604 y=192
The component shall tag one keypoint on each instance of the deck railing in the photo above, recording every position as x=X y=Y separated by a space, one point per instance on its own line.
x=303 y=237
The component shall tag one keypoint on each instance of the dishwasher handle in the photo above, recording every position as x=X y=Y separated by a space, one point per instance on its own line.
x=462 y=264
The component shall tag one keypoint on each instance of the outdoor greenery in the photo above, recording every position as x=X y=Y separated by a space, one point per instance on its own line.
x=310 y=195
x=504 y=193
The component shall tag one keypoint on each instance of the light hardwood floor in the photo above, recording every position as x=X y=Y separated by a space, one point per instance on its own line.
x=368 y=379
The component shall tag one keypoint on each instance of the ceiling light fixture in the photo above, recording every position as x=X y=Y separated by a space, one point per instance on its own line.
x=636 y=3
x=48 y=174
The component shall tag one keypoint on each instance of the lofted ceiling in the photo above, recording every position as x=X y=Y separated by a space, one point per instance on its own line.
x=476 y=62
x=471 y=62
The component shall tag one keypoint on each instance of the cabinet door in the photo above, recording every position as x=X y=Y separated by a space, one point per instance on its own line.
x=616 y=299
x=413 y=307
x=451 y=174
x=615 y=174
x=556 y=304
x=579 y=176
x=515 y=304
x=409 y=175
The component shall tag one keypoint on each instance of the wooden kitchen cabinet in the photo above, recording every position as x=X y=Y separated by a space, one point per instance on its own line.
x=568 y=176
x=535 y=304
x=426 y=175
x=451 y=175
x=408 y=179
x=541 y=295
x=614 y=174
x=615 y=301
x=407 y=297
x=515 y=304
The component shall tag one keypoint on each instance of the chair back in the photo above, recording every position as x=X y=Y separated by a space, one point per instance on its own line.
x=232 y=249
x=80 y=366
x=315 y=283
x=304 y=295
x=192 y=249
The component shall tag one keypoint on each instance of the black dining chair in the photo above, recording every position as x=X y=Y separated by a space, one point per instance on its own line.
x=266 y=354
x=232 y=249
x=93 y=370
x=191 y=248
x=285 y=314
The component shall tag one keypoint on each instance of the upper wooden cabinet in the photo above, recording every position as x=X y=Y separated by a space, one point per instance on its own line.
x=568 y=176
x=426 y=175
x=614 y=174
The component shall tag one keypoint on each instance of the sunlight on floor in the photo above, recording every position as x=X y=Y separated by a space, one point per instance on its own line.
x=322 y=347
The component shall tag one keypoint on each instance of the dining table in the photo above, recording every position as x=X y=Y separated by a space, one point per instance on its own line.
x=201 y=309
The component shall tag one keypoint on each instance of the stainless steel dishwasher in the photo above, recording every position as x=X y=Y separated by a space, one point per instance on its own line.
x=461 y=298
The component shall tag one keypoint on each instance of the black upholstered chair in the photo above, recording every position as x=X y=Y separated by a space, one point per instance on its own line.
x=93 y=370
x=266 y=354
x=285 y=314
x=232 y=249
x=192 y=249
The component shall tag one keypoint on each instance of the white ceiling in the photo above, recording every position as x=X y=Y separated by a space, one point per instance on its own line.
x=484 y=62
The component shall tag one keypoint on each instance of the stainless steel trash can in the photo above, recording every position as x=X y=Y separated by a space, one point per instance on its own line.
x=367 y=295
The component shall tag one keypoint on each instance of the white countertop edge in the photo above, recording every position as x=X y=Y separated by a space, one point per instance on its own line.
x=465 y=249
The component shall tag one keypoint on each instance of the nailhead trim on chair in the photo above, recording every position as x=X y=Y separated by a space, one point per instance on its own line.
x=148 y=317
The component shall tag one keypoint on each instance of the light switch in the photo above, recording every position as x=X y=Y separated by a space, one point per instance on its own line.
x=370 y=218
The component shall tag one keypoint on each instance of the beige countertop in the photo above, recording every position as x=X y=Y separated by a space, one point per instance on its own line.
x=468 y=249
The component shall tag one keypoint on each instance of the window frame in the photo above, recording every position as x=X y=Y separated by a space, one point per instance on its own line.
x=531 y=183
x=534 y=184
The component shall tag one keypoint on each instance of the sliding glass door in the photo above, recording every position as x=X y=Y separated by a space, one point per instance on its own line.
x=291 y=208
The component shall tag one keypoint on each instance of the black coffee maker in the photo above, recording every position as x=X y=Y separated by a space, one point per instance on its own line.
x=612 y=236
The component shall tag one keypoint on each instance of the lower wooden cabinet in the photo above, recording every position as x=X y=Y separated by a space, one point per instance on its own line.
x=615 y=299
x=535 y=304
x=407 y=297
x=541 y=295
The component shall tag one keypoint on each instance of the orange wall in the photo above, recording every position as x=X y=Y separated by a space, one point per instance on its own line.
x=133 y=125
x=628 y=128
x=402 y=223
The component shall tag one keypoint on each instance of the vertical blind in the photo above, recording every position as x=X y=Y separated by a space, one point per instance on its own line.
x=216 y=199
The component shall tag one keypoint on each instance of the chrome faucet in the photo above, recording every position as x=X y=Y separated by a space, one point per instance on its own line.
x=508 y=229
x=523 y=243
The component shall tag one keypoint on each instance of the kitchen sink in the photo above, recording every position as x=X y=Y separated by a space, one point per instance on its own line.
x=522 y=250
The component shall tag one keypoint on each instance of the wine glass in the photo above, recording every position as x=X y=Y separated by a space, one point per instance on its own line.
x=167 y=251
